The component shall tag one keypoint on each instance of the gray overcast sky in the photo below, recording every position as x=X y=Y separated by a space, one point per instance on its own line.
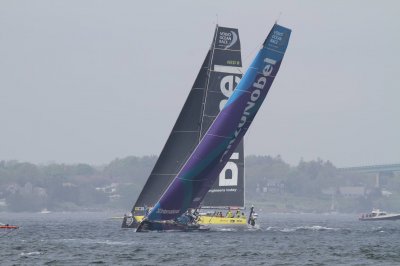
x=89 y=81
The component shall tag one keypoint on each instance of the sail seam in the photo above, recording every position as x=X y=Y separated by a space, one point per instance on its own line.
x=274 y=50
x=223 y=49
x=225 y=137
x=243 y=91
x=191 y=180
x=233 y=70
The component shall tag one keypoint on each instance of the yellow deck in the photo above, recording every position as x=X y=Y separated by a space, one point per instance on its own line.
x=206 y=219
x=221 y=220
x=139 y=218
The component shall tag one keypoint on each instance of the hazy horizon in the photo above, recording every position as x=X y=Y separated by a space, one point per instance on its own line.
x=90 y=81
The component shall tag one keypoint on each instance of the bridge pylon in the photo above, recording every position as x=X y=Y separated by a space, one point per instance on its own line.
x=377 y=179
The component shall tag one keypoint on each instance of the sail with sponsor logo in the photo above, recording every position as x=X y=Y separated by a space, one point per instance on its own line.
x=224 y=73
x=215 y=82
x=198 y=174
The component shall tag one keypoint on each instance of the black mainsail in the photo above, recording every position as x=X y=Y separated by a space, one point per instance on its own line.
x=224 y=73
x=215 y=82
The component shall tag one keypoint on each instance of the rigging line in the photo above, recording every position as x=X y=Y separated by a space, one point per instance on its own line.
x=252 y=52
x=204 y=102
x=276 y=21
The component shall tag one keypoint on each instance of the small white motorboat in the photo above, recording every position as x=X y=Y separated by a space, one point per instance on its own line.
x=378 y=215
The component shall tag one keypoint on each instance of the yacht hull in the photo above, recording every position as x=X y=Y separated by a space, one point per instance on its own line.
x=381 y=218
x=146 y=226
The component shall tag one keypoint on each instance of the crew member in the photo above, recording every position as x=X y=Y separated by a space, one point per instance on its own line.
x=229 y=214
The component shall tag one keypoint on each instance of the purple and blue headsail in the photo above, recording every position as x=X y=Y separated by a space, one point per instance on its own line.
x=216 y=147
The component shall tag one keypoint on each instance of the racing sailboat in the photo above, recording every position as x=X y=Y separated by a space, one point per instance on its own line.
x=199 y=172
x=215 y=83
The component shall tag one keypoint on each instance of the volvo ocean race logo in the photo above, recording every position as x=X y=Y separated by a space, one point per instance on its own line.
x=257 y=86
x=227 y=39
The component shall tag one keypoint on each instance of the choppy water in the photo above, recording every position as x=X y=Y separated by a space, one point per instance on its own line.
x=283 y=239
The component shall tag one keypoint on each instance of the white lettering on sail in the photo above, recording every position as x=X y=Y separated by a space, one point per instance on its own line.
x=232 y=179
x=276 y=37
x=227 y=39
x=227 y=85
x=258 y=85
x=164 y=211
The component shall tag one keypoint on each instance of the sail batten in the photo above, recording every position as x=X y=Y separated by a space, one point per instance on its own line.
x=227 y=69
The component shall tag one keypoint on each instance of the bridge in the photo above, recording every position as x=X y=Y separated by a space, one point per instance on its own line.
x=373 y=168
x=378 y=170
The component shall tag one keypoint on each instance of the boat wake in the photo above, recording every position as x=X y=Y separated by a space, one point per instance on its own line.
x=23 y=254
x=224 y=229
x=87 y=241
x=243 y=228
x=305 y=228
x=253 y=228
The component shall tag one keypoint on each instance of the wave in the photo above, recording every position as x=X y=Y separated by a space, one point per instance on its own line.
x=222 y=229
x=30 y=253
x=388 y=229
x=305 y=228
x=98 y=241
x=235 y=228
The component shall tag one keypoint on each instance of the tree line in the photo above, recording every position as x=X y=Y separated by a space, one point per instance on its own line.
x=68 y=187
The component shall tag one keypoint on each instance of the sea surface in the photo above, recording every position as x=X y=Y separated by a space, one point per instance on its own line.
x=87 y=238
